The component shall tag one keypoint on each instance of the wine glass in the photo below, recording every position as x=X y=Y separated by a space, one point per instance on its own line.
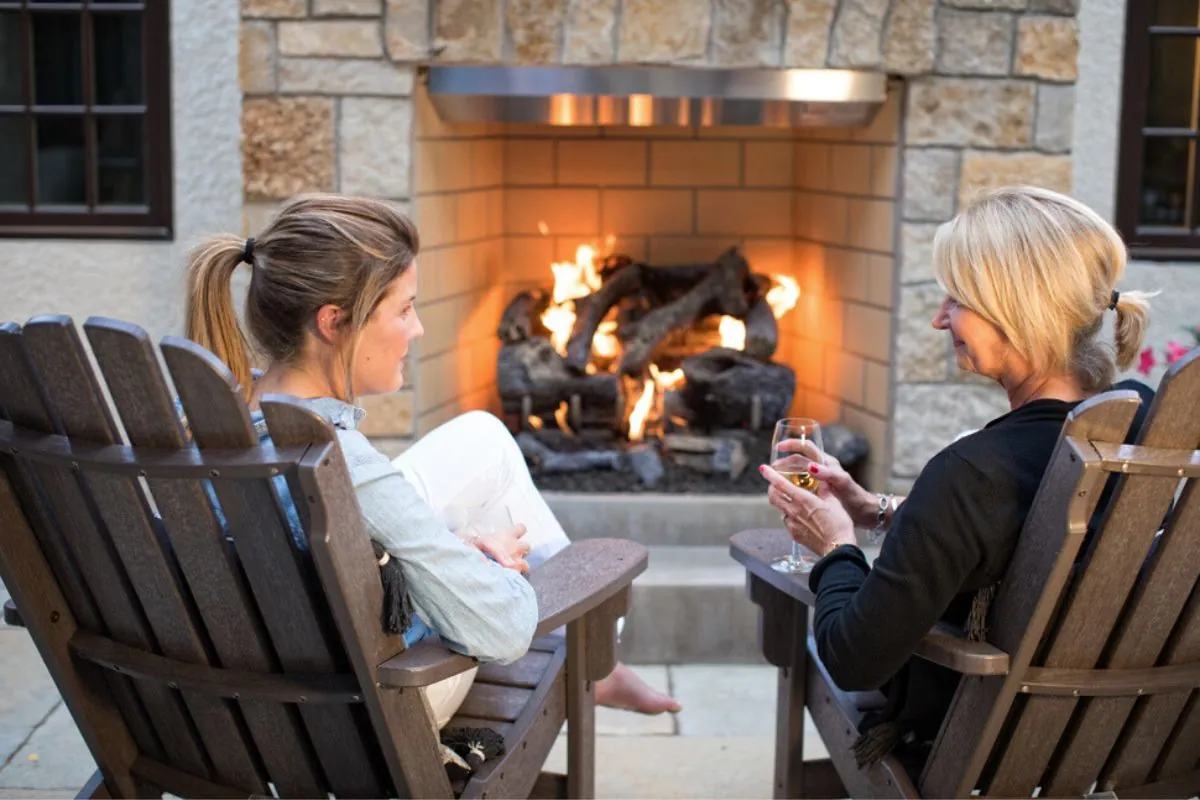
x=796 y=436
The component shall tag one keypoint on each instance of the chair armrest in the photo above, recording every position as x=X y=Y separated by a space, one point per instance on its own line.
x=572 y=583
x=423 y=664
x=945 y=646
x=582 y=577
x=12 y=616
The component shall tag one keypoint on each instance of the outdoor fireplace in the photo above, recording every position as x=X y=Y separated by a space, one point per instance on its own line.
x=620 y=350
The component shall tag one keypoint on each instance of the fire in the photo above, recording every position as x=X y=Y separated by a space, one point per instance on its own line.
x=535 y=422
x=641 y=410
x=572 y=280
x=784 y=295
x=605 y=343
x=733 y=333
x=666 y=381
x=560 y=416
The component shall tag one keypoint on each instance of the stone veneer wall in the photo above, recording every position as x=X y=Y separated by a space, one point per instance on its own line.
x=989 y=101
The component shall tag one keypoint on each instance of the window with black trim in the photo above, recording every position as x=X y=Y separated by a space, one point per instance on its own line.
x=85 y=139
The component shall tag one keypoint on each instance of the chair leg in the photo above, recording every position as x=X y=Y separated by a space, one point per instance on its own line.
x=94 y=788
x=789 y=715
x=581 y=716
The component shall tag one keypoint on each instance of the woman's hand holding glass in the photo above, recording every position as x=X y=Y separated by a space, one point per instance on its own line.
x=818 y=521
x=861 y=505
x=507 y=546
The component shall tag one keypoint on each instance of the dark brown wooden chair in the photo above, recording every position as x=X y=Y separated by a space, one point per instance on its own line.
x=1089 y=681
x=204 y=666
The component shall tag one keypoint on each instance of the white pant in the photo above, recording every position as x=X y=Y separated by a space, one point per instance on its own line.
x=470 y=471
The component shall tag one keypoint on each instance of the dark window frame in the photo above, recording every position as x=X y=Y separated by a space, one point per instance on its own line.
x=154 y=219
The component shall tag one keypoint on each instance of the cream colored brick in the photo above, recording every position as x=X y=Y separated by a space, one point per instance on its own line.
x=802 y=215
x=388 y=414
x=769 y=163
x=875 y=429
x=883 y=171
x=823 y=318
x=769 y=256
x=872 y=223
x=437 y=216
x=668 y=250
x=553 y=211
x=256 y=57
x=443 y=166
x=565 y=247
x=877 y=388
x=647 y=211
x=829 y=219
x=531 y=131
x=601 y=163
x=345 y=76
x=823 y=408
x=868 y=331
x=428 y=124
x=740 y=132
x=812 y=165
x=695 y=163
x=745 y=212
x=257 y=216
x=373 y=159
x=882 y=270
x=528 y=258
x=274 y=8
x=850 y=168
x=496 y=212
x=845 y=380
x=846 y=274
x=487 y=163
x=528 y=162
x=472 y=216
x=807 y=358
x=349 y=38
x=808 y=265
x=646 y=131
x=885 y=128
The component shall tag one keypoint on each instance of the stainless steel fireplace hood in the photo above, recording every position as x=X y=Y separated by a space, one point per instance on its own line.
x=656 y=95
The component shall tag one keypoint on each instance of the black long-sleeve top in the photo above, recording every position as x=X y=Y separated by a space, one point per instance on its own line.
x=953 y=535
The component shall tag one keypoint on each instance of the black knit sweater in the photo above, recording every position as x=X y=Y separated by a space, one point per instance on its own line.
x=953 y=535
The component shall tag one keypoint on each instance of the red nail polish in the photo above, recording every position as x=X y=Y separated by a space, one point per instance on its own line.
x=762 y=469
x=813 y=469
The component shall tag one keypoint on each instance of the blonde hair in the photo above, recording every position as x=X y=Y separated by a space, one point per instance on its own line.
x=320 y=249
x=1042 y=268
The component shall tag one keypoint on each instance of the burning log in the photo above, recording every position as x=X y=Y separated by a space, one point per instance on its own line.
x=720 y=291
x=762 y=330
x=549 y=461
x=533 y=379
x=591 y=310
x=726 y=389
x=710 y=454
x=520 y=319
x=646 y=464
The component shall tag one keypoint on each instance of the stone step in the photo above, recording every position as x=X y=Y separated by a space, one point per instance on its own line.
x=690 y=606
x=658 y=520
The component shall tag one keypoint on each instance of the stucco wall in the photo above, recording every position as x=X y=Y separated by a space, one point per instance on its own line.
x=1098 y=108
x=142 y=282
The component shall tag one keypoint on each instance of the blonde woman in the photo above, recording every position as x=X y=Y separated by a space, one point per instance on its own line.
x=331 y=307
x=1030 y=278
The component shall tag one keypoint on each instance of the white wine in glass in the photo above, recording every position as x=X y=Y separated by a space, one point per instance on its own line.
x=796 y=439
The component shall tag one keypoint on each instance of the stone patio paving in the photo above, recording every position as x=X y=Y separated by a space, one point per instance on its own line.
x=720 y=745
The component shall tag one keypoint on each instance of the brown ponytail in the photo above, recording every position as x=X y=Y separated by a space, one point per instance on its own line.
x=1133 y=317
x=212 y=321
x=320 y=250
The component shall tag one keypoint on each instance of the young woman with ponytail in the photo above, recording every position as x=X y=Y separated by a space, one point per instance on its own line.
x=1030 y=278
x=331 y=314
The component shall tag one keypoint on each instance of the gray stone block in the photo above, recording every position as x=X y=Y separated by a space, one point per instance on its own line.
x=661 y=519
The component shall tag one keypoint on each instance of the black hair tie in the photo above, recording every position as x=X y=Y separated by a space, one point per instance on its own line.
x=248 y=252
x=1116 y=298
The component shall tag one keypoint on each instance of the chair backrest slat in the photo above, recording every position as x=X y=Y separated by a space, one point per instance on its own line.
x=139 y=390
x=98 y=563
x=1154 y=610
x=1100 y=591
x=343 y=555
x=1042 y=558
x=281 y=578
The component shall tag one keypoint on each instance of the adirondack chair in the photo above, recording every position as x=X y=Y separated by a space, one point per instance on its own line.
x=1088 y=680
x=202 y=665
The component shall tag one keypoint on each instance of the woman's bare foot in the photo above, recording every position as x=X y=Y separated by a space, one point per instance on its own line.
x=625 y=690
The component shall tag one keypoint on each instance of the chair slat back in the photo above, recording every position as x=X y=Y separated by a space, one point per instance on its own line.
x=209 y=565
x=205 y=569
x=1123 y=604
x=91 y=550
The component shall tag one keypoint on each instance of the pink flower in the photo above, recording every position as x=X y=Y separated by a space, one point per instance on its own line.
x=1147 y=361
x=1176 y=351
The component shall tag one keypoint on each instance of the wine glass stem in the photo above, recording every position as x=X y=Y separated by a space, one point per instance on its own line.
x=797 y=554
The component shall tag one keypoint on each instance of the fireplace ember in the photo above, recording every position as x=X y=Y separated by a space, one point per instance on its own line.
x=644 y=351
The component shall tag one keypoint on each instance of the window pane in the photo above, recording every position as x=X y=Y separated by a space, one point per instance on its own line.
x=10 y=58
x=1172 y=79
x=61 y=166
x=13 y=180
x=118 y=48
x=57 y=60
x=121 y=160
x=1175 y=12
x=1164 y=181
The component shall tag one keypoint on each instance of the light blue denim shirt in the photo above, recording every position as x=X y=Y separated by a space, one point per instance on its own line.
x=476 y=606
